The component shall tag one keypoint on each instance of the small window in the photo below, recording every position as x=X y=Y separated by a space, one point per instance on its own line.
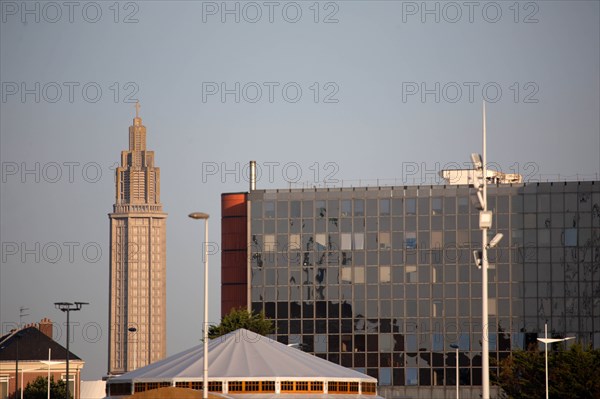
x=369 y=387
x=71 y=381
x=346 y=274
x=287 y=386
x=316 y=386
x=385 y=376
x=269 y=209
x=410 y=240
x=332 y=386
x=463 y=205
x=140 y=387
x=4 y=388
x=437 y=343
x=411 y=376
x=436 y=206
x=320 y=343
x=359 y=207
x=268 y=386
x=346 y=241
x=321 y=209
x=302 y=386
x=252 y=386
x=270 y=243
x=570 y=237
x=384 y=240
x=346 y=208
x=359 y=240
x=411 y=206
x=385 y=274
x=359 y=274
x=436 y=239
x=384 y=207
x=215 y=386
x=342 y=386
x=295 y=209
x=294 y=242
x=235 y=386
x=411 y=274
x=321 y=240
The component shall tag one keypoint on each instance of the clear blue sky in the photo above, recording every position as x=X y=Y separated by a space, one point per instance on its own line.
x=383 y=89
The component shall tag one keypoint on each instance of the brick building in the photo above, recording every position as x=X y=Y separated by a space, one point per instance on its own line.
x=34 y=353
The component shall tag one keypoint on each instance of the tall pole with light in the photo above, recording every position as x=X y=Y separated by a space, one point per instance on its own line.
x=17 y=338
x=547 y=341
x=49 y=363
x=133 y=330
x=481 y=259
x=204 y=216
x=455 y=347
x=69 y=307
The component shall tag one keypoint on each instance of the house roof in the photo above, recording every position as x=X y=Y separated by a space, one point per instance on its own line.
x=33 y=345
x=245 y=355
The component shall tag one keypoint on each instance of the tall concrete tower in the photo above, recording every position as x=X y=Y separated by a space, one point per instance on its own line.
x=138 y=258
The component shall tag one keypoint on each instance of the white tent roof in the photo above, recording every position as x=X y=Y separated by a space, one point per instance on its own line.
x=245 y=355
x=93 y=389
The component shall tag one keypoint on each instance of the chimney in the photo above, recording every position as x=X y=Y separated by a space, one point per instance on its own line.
x=45 y=326
x=252 y=175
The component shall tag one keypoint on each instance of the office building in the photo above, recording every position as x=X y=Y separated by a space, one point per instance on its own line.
x=383 y=279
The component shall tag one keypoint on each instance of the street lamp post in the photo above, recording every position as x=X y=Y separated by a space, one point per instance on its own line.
x=455 y=347
x=49 y=363
x=485 y=223
x=17 y=338
x=547 y=341
x=484 y=280
x=133 y=330
x=69 y=307
x=204 y=216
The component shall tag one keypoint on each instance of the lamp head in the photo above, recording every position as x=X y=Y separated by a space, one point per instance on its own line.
x=477 y=255
x=199 y=215
x=495 y=240
x=477 y=162
x=485 y=219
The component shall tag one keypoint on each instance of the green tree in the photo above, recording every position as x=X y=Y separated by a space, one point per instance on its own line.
x=521 y=375
x=38 y=389
x=572 y=374
x=241 y=318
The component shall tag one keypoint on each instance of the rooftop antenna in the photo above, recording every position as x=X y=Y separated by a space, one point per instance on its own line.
x=22 y=313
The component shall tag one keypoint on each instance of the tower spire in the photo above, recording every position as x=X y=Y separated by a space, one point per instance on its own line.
x=137 y=283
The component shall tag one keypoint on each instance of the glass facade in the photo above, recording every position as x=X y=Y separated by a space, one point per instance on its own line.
x=382 y=279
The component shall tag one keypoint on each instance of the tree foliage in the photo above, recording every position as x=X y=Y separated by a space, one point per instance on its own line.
x=241 y=318
x=38 y=389
x=572 y=374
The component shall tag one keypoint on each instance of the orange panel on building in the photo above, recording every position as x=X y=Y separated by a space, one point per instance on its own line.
x=234 y=228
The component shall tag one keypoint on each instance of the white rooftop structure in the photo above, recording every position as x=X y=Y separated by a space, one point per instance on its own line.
x=472 y=176
x=93 y=389
x=245 y=363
